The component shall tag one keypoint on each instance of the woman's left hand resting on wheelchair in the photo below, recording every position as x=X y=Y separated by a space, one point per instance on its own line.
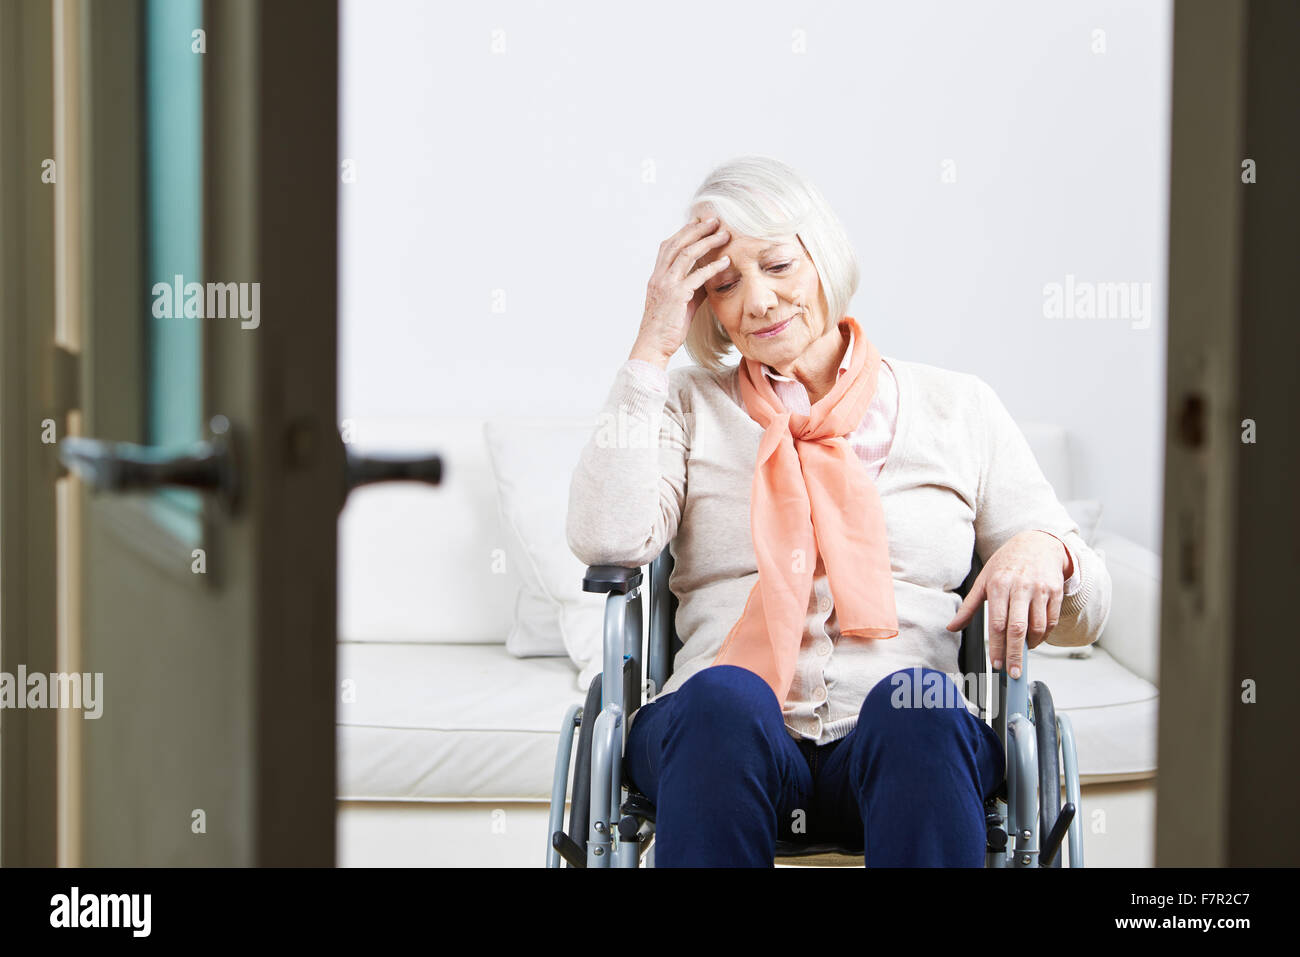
x=1023 y=583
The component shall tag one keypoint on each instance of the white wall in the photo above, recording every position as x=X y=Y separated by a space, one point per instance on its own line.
x=508 y=206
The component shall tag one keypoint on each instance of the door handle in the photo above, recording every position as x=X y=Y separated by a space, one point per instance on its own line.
x=207 y=466
x=212 y=465
x=368 y=469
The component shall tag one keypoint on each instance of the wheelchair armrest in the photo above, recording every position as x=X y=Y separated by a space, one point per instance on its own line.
x=611 y=578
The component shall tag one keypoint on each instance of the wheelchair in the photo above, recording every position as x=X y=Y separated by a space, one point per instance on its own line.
x=612 y=825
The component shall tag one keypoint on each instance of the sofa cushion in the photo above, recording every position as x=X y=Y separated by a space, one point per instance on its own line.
x=445 y=722
x=1132 y=631
x=533 y=461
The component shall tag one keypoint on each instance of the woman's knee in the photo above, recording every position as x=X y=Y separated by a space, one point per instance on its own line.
x=728 y=692
x=726 y=738
x=914 y=703
x=727 y=702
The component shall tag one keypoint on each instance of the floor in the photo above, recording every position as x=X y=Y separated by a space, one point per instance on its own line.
x=1118 y=820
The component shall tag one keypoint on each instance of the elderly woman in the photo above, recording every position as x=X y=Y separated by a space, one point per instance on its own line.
x=822 y=502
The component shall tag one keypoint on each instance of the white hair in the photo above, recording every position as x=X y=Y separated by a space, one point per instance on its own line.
x=764 y=198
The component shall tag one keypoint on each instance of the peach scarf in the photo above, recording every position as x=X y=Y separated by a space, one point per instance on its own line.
x=812 y=494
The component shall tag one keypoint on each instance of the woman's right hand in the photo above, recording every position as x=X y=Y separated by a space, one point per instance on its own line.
x=676 y=289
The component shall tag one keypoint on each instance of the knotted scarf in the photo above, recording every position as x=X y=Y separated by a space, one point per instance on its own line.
x=812 y=494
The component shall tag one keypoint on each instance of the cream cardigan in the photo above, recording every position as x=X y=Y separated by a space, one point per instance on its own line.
x=959 y=473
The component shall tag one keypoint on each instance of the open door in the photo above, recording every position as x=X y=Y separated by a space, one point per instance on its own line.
x=200 y=558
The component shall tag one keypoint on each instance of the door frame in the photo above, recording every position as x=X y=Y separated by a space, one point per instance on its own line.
x=1230 y=517
x=28 y=467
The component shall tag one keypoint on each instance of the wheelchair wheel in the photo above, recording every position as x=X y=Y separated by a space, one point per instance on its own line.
x=1049 y=764
x=580 y=808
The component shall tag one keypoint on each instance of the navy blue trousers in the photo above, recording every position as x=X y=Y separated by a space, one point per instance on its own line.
x=727 y=778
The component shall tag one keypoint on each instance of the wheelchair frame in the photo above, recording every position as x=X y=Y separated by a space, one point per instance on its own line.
x=620 y=830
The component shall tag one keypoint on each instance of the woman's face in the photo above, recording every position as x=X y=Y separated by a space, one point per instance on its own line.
x=768 y=282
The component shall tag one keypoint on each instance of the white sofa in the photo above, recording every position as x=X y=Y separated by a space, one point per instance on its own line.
x=447 y=742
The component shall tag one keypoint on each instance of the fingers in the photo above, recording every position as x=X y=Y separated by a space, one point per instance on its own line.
x=688 y=257
x=696 y=280
x=1054 y=609
x=1025 y=594
x=1008 y=622
x=706 y=272
x=671 y=247
x=1038 y=630
x=966 y=610
x=998 y=595
x=1017 y=626
x=962 y=618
